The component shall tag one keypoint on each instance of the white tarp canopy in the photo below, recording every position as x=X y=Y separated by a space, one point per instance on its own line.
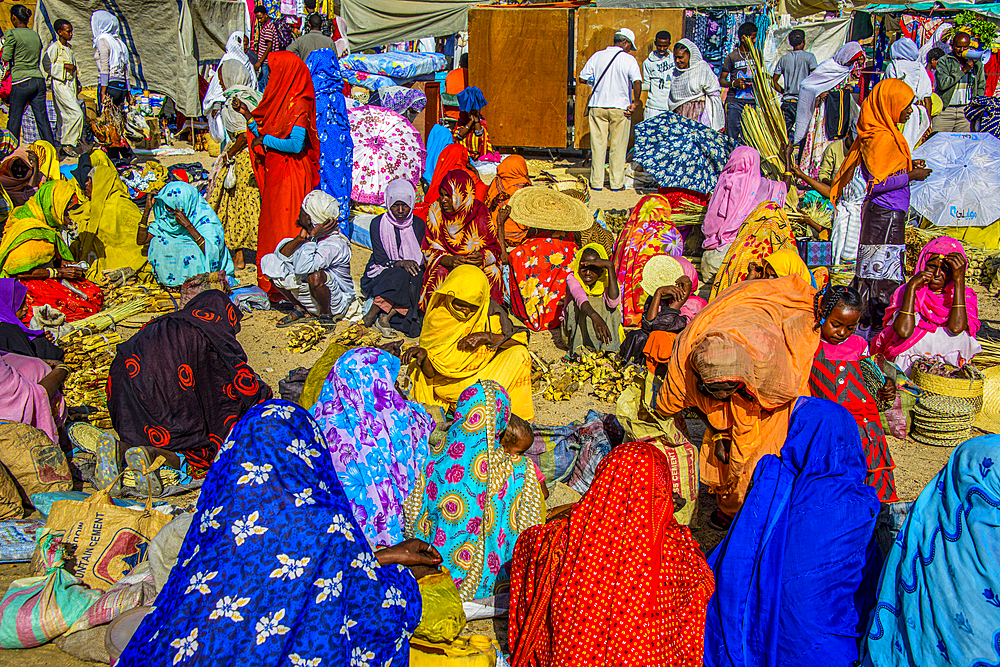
x=167 y=40
x=378 y=22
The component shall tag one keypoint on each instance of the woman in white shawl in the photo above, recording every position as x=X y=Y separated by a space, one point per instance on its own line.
x=111 y=57
x=233 y=73
x=695 y=92
x=906 y=66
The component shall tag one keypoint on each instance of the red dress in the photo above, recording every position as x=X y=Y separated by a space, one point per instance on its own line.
x=284 y=179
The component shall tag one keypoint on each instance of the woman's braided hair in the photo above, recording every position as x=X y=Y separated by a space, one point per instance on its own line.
x=827 y=299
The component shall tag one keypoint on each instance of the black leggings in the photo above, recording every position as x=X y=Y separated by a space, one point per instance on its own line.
x=29 y=93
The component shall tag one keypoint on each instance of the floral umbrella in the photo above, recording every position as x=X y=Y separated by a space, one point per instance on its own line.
x=681 y=153
x=386 y=147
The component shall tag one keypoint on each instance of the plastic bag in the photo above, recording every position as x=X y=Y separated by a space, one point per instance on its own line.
x=442 y=617
x=229 y=182
x=36 y=610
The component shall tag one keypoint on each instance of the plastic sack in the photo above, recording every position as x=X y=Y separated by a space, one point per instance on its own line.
x=18 y=538
x=107 y=541
x=36 y=463
x=442 y=616
x=36 y=610
x=135 y=590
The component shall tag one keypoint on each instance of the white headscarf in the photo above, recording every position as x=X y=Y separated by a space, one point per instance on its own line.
x=105 y=26
x=320 y=207
x=907 y=67
x=831 y=73
x=697 y=82
x=216 y=99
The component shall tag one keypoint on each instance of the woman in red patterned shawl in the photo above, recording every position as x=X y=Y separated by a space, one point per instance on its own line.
x=285 y=148
x=615 y=582
x=459 y=232
x=178 y=386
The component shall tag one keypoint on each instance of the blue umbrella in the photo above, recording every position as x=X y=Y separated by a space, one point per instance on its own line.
x=681 y=153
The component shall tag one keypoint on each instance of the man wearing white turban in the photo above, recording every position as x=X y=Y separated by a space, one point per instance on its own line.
x=313 y=269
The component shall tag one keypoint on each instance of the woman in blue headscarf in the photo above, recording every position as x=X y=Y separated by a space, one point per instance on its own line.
x=336 y=146
x=185 y=238
x=795 y=576
x=939 y=598
x=275 y=570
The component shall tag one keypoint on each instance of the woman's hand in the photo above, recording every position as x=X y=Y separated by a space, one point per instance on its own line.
x=919 y=173
x=240 y=107
x=755 y=271
x=415 y=353
x=259 y=141
x=503 y=214
x=474 y=341
x=672 y=293
x=560 y=512
x=409 y=265
x=69 y=273
x=919 y=279
x=601 y=329
x=958 y=264
x=722 y=446
x=419 y=556
x=887 y=394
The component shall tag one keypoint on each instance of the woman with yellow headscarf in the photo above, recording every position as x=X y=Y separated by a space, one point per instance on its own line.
x=107 y=235
x=48 y=160
x=468 y=337
x=883 y=155
x=35 y=250
x=786 y=262
x=593 y=316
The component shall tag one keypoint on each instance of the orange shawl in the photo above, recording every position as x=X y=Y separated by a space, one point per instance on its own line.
x=880 y=144
x=760 y=333
x=512 y=175
x=618 y=581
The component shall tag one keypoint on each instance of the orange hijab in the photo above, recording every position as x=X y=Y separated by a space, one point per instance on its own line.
x=512 y=175
x=880 y=144
x=289 y=100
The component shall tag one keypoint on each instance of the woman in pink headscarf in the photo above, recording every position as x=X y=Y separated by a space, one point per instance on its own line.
x=934 y=313
x=741 y=188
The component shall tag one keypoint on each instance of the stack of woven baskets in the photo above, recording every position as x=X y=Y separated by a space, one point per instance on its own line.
x=947 y=410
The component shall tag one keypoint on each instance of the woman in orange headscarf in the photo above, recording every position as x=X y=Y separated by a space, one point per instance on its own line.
x=569 y=600
x=741 y=363
x=285 y=146
x=512 y=175
x=459 y=232
x=883 y=155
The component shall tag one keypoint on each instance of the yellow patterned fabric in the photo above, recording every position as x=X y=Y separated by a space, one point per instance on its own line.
x=238 y=208
x=765 y=231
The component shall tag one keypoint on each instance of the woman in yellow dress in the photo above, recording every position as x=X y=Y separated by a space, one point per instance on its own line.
x=468 y=337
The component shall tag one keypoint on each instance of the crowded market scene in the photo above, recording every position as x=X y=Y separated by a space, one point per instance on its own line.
x=586 y=332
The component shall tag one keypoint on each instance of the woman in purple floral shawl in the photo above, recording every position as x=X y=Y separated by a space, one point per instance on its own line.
x=377 y=439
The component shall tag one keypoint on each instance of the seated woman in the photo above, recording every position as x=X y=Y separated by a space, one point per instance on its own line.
x=593 y=316
x=795 y=576
x=29 y=393
x=837 y=375
x=107 y=238
x=471 y=129
x=567 y=603
x=19 y=175
x=788 y=262
x=316 y=593
x=468 y=337
x=185 y=237
x=378 y=440
x=14 y=335
x=647 y=233
x=459 y=233
x=670 y=283
x=934 y=313
x=394 y=275
x=313 y=270
x=944 y=560
x=34 y=250
x=473 y=499
x=740 y=363
x=744 y=221
x=177 y=387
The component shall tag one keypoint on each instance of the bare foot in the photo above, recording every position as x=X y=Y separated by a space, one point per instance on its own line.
x=369 y=319
x=238 y=260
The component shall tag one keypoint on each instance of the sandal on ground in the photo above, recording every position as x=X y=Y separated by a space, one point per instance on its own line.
x=138 y=459
x=107 y=470
x=720 y=521
x=295 y=317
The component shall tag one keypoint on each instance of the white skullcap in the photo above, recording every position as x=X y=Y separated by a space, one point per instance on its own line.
x=320 y=207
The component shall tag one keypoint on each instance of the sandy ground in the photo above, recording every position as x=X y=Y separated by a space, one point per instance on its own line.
x=266 y=348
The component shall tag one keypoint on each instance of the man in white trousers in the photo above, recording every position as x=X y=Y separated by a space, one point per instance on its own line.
x=60 y=64
x=616 y=82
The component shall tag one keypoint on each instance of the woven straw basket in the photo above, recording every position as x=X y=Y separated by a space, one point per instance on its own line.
x=957 y=387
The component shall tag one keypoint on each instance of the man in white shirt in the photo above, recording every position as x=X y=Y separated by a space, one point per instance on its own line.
x=616 y=82
x=313 y=270
x=657 y=73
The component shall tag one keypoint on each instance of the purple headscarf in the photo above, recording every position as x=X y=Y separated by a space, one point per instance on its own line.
x=12 y=294
x=399 y=190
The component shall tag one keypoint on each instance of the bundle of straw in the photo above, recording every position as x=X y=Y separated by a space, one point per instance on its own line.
x=764 y=125
x=105 y=319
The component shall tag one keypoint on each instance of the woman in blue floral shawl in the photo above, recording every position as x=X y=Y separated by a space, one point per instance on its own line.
x=274 y=570
x=474 y=498
x=378 y=440
x=939 y=597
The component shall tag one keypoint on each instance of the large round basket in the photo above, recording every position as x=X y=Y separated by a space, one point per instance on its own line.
x=957 y=387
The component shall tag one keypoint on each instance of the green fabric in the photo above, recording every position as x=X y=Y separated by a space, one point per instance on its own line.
x=36 y=234
x=949 y=73
x=318 y=374
x=24 y=47
x=44 y=200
